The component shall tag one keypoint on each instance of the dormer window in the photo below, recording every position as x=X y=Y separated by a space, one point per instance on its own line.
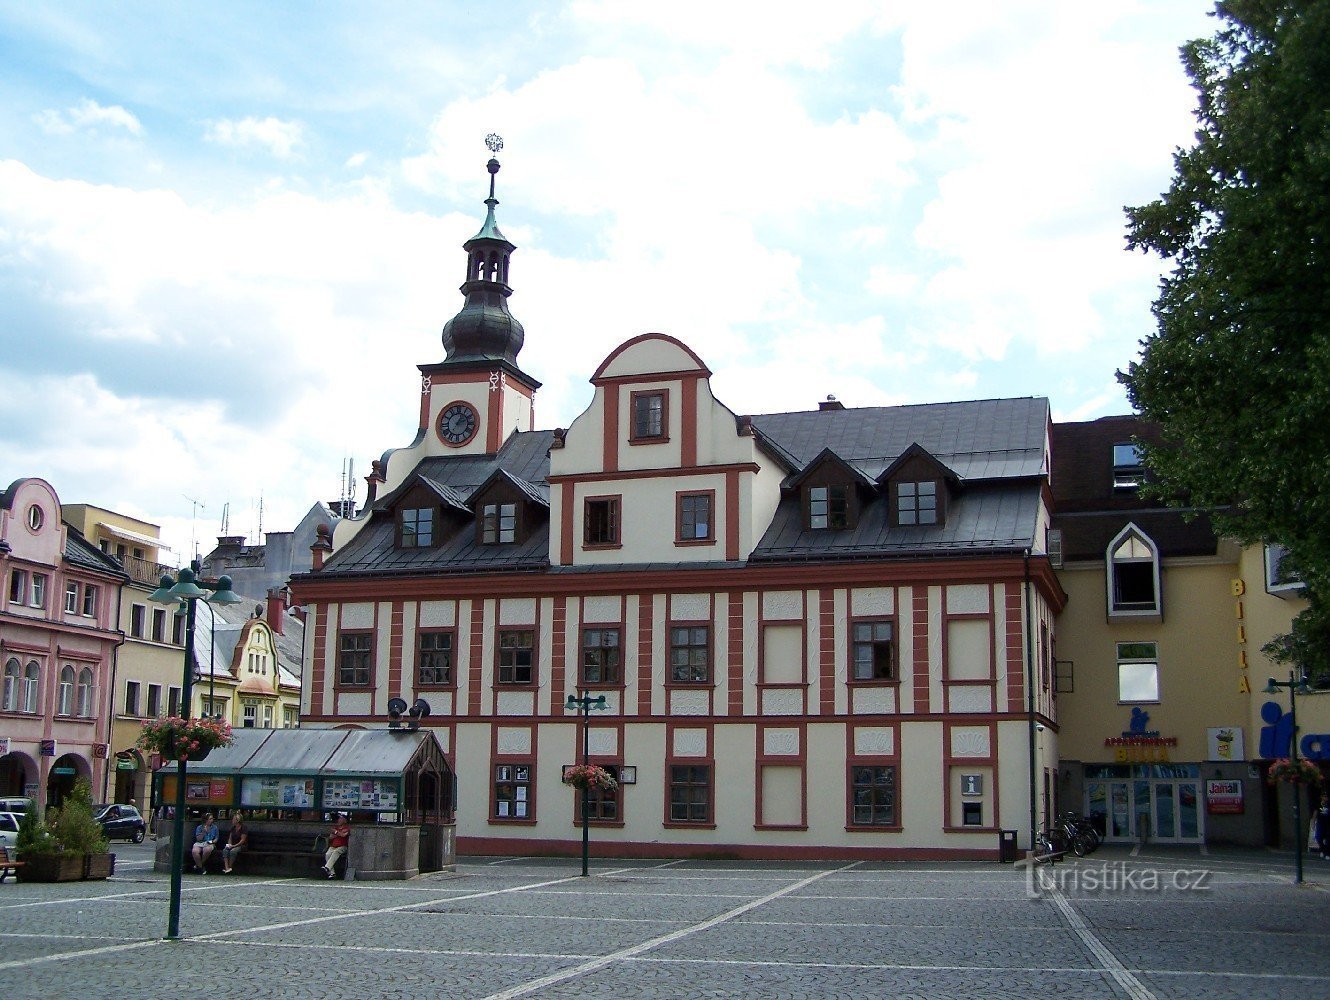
x=916 y=503
x=1133 y=574
x=1128 y=469
x=649 y=416
x=829 y=507
x=417 y=527
x=498 y=523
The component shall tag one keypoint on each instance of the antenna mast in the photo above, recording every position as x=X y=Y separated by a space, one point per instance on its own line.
x=199 y=505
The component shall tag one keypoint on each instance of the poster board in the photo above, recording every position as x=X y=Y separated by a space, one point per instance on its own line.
x=277 y=793
x=348 y=794
x=200 y=790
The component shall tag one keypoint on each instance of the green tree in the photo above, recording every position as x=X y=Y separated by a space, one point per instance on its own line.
x=1238 y=370
x=72 y=825
x=33 y=836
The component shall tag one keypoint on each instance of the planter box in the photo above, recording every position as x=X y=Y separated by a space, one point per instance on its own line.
x=66 y=867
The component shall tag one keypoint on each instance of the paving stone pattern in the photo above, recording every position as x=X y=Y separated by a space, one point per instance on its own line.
x=504 y=928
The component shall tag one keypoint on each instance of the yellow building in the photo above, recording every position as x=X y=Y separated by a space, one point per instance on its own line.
x=249 y=663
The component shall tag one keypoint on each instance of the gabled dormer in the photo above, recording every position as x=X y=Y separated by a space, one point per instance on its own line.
x=507 y=509
x=832 y=493
x=918 y=488
x=425 y=513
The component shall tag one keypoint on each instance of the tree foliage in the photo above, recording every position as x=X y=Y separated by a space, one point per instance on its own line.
x=1238 y=370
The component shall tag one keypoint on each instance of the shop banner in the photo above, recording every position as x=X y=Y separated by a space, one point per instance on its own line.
x=1223 y=796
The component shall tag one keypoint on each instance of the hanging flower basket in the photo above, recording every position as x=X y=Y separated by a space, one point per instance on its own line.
x=184 y=739
x=587 y=776
x=1295 y=772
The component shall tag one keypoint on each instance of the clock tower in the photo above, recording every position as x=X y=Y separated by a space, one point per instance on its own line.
x=477 y=396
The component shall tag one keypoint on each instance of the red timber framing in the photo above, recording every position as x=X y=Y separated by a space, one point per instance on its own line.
x=612 y=759
x=826 y=650
x=1015 y=648
x=476 y=659
x=513 y=759
x=395 y=638
x=735 y=653
x=872 y=758
x=919 y=631
x=559 y=686
x=645 y=662
x=707 y=759
x=988 y=763
x=777 y=756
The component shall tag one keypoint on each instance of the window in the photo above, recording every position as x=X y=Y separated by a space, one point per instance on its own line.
x=600 y=656
x=131 y=697
x=18 y=586
x=158 y=624
x=84 y=694
x=154 y=700
x=173 y=701
x=1133 y=574
x=1281 y=576
x=1128 y=471
x=648 y=415
x=66 y=702
x=512 y=791
x=972 y=814
x=916 y=503
x=690 y=654
x=214 y=708
x=13 y=686
x=267 y=716
x=602 y=804
x=498 y=523
x=290 y=717
x=1045 y=655
x=417 y=528
x=873 y=648
x=249 y=714
x=690 y=793
x=137 y=615
x=38 y=590
x=873 y=795
x=353 y=664
x=517 y=654
x=434 y=659
x=89 y=600
x=1138 y=672
x=36 y=518
x=71 y=598
x=178 y=623
x=602 y=521
x=31 y=676
x=693 y=517
x=829 y=507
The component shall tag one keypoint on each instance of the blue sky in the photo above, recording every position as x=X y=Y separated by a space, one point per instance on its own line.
x=229 y=232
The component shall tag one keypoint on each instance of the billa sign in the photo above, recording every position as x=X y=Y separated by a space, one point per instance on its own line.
x=1223 y=796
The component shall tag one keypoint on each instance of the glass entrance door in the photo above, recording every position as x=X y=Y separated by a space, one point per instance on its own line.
x=1163 y=810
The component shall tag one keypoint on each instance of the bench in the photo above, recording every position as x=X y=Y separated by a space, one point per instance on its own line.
x=296 y=853
x=8 y=866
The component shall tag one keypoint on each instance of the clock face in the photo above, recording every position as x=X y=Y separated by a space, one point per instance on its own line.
x=457 y=423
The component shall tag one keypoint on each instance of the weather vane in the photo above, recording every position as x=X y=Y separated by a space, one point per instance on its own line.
x=495 y=142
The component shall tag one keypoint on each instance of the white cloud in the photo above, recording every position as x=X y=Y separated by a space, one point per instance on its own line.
x=88 y=116
x=276 y=136
x=356 y=161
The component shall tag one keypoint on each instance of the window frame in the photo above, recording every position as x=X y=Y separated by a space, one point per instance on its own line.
x=32 y=681
x=138 y=614
x=680 y=535
x=249 y=713
x=85 y=694
x=599 y=797
x=708 y=787
x=916 y=509
x=527 y=781
x=894 y=674
x=38 y=590
x=492 y=530
x=71 y=598
x=499 y=655
x=89 y=600
x=18 y=586
x=1128 y=476
x=131 y=703
x=64 y=705
x=853 y=822
x=645 y=396
x=409 y=535
x=1124 y=658
x=612 y=674
x=1118 y=608
x=432 y=685
x=614 y=508
x=153 y=706
x=11 y=698
x=837 y=495
x=356 y=634
x=672 y=628
x=159 y=625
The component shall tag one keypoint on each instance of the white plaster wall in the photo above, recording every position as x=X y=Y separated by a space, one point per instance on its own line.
x=867 y=602
x=905 y=654
x=967 y=599
x=358 y=615
x=647 y=526
x=664 y=454
x=1014 y=761
x=653 y=355
x=438 y=614
x=921 y=782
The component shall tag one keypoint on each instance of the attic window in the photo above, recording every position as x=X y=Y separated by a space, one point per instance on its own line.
x=916 y=503
x=1128 y=469
x=829 y=507
x=649 y=416
x=1133 y=577
x=417 y=528
x=498 y=523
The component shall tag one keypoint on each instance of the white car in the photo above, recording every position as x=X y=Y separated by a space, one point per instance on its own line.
x=8 y=830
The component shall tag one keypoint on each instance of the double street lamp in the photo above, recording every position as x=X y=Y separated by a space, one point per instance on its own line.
x=184 y=591
x=1295 y=688
x=586 y=704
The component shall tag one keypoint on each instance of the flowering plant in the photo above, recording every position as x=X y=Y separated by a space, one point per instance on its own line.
x=176 y=738
x=1295 y=772
x=588 y=776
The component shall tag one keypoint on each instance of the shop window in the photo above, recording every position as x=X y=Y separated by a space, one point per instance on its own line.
x=600 y=656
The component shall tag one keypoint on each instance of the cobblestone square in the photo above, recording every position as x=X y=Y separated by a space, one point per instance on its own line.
x=513 y=927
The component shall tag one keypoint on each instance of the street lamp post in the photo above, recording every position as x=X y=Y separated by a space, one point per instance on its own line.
x=1295 y=687
x=185 y=591
x=586 y=704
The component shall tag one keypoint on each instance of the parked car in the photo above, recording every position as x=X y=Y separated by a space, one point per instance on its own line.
x=14 y=805
x=9 y=829
x=121 y=822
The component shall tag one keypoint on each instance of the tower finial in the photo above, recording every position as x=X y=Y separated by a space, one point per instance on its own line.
x=494 y=142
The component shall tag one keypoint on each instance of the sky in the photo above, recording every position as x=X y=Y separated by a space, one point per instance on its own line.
x=230 y=232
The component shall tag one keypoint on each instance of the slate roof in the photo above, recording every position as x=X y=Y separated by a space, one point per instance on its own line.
x=995 y=447
x=217 y=630
x=82 y=553
x=1089 y=512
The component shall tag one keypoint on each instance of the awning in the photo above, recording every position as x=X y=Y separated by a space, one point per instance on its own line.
x=132 y=536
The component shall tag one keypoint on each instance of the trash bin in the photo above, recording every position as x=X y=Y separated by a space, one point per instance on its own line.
x=1007 y=853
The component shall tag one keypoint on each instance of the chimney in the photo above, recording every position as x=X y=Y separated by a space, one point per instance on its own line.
x=276 y=608
x=322 y=545
x=831 y=403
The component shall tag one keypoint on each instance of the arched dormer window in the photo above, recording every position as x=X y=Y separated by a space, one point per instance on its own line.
x=13 y=687
x=1132 y=562
x=85 y=693
x=66 y=702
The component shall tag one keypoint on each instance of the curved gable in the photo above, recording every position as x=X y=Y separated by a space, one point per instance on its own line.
x=651 y=355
